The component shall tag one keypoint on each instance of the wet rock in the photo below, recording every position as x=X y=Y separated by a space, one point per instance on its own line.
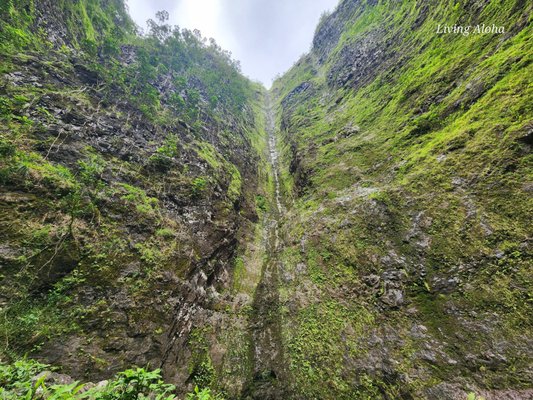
x=428 y=356
x=506 y=394
x=371 y=280
x=7 y=253
x=417 y=233
x=301 y=268
x=418 y=331
x=444 y=284
x=391 y=276
x=350 y=129
x=330 y=29
x=86 y=75
x=358 y=62
x=446 y=391
x=393 y=298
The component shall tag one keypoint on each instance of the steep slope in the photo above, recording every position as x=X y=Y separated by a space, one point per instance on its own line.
x=268 y=373
x=362 y=231
x=129 y=170
x=406 y=269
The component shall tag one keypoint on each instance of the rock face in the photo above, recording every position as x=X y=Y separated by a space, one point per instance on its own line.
x=385 y=253
x=128 y=182
x=409 y=210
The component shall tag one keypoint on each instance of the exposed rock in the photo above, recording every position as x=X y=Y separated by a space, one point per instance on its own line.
x=393 y=298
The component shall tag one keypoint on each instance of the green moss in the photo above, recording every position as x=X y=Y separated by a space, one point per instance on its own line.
x=316 y=359
x=138 y=197
x=165 y=233
x=201 y=368
x=92 y=169
x=235 y=186
x=90 y=35
x=18 y=381
x=261 y=203
x=238 y=273
x=423 y=165
x=199 y=184
x=207 y=152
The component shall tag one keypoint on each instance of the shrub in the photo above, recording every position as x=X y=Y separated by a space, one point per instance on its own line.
x=134 y=384
x=18 y=381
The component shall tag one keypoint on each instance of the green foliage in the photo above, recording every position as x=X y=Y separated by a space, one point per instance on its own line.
x=235 y=186
x=204 y=373
x=210 y=154
x=162 y=159
x=165 y=233
x=433 y=173
x=10 y=108
x=176 y=102
x=261 y=203
x=92 y=169
x=17 y=381
x=169 y=147
x=17 y=19
x=201 y=367
x=7 y=149
x=203 y=394
x=134 y=384
x=138 y=197
x=39 y=319
x=15 y=378
x=199 y=184
x=149 y=253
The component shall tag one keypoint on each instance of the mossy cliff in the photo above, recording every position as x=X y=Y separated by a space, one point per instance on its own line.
x=129 y=170
x=407 y=173
x=147 y=220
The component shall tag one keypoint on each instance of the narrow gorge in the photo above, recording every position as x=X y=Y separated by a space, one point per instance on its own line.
x=265 y=320
x=171 y=229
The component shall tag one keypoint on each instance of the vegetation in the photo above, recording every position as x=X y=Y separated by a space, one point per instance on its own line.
x=138 y=215
x=112 y=145
x=408 y=184
x=28 y=379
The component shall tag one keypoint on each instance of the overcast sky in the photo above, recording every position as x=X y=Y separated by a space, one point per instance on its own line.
x=266 y=36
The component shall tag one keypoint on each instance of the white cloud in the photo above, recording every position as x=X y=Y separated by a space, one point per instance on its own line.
x=267 y=36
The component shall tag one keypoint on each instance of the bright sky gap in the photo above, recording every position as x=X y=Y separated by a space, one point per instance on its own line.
x=266 y=36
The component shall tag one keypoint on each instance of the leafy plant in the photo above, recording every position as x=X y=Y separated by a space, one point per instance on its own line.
x=203 y=394
x=19 y=381
x=134 y=384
